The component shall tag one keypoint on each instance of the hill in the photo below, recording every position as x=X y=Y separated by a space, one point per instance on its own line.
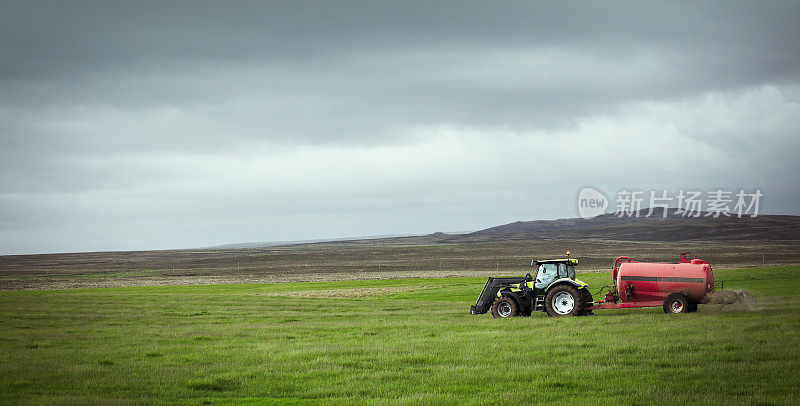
x=610 y=226
x=656 y=227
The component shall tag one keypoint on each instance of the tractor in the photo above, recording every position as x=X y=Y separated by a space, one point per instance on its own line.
x=676 y=287
x=554 y=290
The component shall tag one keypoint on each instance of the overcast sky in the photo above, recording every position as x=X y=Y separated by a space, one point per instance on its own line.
x=126 y=125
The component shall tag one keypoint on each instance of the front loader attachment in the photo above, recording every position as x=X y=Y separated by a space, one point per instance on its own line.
x=489 y=293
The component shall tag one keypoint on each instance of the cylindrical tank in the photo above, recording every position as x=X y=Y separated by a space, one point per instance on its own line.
x=650 y=281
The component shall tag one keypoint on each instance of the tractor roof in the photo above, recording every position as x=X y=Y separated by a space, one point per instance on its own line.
x=553 y=261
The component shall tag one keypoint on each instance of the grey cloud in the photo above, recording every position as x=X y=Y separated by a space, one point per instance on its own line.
x=256 y=113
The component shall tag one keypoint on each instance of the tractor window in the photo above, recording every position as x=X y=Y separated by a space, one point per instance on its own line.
x=546 y=275
x=562 y=270
x=566 y=271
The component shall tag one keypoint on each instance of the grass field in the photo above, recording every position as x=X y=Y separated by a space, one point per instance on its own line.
x=405 y=341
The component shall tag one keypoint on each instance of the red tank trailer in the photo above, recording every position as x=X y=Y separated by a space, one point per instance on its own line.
x=677 y=287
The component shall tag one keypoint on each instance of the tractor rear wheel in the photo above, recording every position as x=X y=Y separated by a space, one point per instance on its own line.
x=586 y=300
x=677 y=303
x=504 y=307
x=563 y=300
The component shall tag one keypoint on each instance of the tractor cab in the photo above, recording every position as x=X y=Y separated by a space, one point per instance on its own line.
x=552 y=270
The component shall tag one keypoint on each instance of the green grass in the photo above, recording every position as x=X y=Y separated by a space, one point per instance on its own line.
x=223 y=344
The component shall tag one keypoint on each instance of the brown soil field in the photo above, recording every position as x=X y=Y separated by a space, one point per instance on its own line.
x=362 y=259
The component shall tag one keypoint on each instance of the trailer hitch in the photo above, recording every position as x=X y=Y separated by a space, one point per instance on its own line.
x=601 y=290
x=610 y=297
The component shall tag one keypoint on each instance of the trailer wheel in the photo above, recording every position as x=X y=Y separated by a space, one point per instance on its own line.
x=504 y=307
x=563 y=300
x=677 y=303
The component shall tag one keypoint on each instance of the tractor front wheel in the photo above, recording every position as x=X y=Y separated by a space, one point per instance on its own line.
x=677 y=303
x=504 y=307
x=563 y=300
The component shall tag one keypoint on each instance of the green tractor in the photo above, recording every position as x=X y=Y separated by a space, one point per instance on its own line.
x=554 y=290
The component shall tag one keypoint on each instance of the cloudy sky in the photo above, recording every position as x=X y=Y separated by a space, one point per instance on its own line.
x=126 y=125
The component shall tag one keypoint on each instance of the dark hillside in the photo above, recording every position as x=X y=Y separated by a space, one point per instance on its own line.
x=656 y=227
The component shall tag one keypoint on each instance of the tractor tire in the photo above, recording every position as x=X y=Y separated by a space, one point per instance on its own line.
x=586 y=300
x=504 y=306
x=563 y=300
x=677 y=303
